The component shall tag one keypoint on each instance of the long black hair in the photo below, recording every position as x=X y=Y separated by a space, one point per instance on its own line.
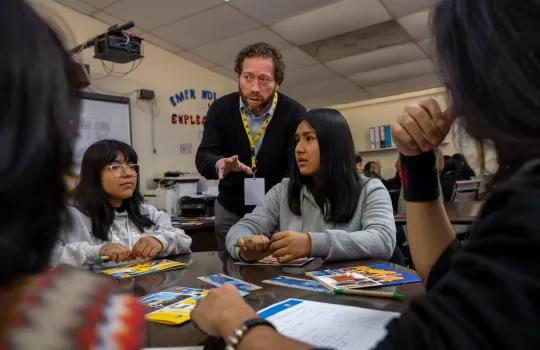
x=367 y=170
x=336 y=189
x=490 y=56
x=91 y=199
x=39 y=118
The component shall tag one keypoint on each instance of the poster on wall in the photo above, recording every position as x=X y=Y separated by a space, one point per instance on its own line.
x=184 y=102
x=182 y=97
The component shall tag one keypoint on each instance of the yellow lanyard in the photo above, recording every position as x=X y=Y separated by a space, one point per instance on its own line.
x=253 y=140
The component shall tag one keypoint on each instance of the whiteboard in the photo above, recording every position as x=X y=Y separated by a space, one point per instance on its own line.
x=102 y=117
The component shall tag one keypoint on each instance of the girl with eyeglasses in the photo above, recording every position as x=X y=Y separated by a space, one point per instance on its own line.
x=108 y=218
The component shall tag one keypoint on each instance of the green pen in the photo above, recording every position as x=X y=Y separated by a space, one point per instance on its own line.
x=102 y=259
x=369 y=293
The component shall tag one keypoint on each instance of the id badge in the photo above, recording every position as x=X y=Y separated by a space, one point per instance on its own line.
x=253 y=190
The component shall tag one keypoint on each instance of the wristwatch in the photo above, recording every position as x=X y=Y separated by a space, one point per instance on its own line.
x=233 y=340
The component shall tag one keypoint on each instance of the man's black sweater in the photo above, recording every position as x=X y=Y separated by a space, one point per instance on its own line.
x=224 y=136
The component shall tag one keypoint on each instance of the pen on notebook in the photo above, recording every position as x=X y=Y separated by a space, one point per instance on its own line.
x=369 y=293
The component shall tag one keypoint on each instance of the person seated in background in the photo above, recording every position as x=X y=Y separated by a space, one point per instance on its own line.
x=394 y=183
x=455 y=169
x=448 y=178
x=326 y=209
x=483 y=295
x=359 y=163
x=373 y=169
x=65 y=308
x=463 y=169
x=108 y=217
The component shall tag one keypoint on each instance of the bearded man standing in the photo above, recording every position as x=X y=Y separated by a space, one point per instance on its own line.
x=248 y=136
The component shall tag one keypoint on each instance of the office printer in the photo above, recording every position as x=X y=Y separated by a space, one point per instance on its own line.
x=197 y=205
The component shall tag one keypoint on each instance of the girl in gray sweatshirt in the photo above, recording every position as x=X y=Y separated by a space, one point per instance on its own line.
x=325 y=209
x=108 y=219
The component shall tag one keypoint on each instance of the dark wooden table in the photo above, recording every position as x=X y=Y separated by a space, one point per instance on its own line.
x=207 y=263
x=201 y=230
x=464 y=213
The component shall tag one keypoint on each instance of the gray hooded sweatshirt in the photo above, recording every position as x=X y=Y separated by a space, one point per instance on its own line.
x=77 y=246
x=370 y=233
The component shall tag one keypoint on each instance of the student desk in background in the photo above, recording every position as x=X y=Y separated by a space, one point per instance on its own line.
x=207 y=263
x=459 y=213
x=200 y=229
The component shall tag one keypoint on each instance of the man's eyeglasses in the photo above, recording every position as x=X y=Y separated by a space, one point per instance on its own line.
x=262 y=80
x=119 y=169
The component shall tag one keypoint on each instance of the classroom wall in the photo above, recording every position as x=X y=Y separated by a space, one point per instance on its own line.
x=371 y=113
x=161 y=71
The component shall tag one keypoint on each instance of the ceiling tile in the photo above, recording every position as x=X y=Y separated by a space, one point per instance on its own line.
x=326 y=92
x=295 y=58
x=269 y=12
x=156 y=13
x=206 y=27
x=417 y=25
x=195 y=59
x=400 y=8
x=409 y=85
x=337 y=18
x=160 y=42
x=308 y=75
x=107 y=18
x=389 y=56
x=225 y=72
x=427 y=46
x=78 y=6
x=223 y=52
x=395 y=73
x=111 y=20
x=359 y=41
x=137 y=31
x=98 y=3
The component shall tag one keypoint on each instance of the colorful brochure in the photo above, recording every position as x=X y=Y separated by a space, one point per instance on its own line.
x=299 y=283
x=364 y=276
x=141 y=268
x=220 y=279
x=173 y=305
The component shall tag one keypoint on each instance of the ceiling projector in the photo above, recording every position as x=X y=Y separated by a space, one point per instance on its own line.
x=115 y=45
